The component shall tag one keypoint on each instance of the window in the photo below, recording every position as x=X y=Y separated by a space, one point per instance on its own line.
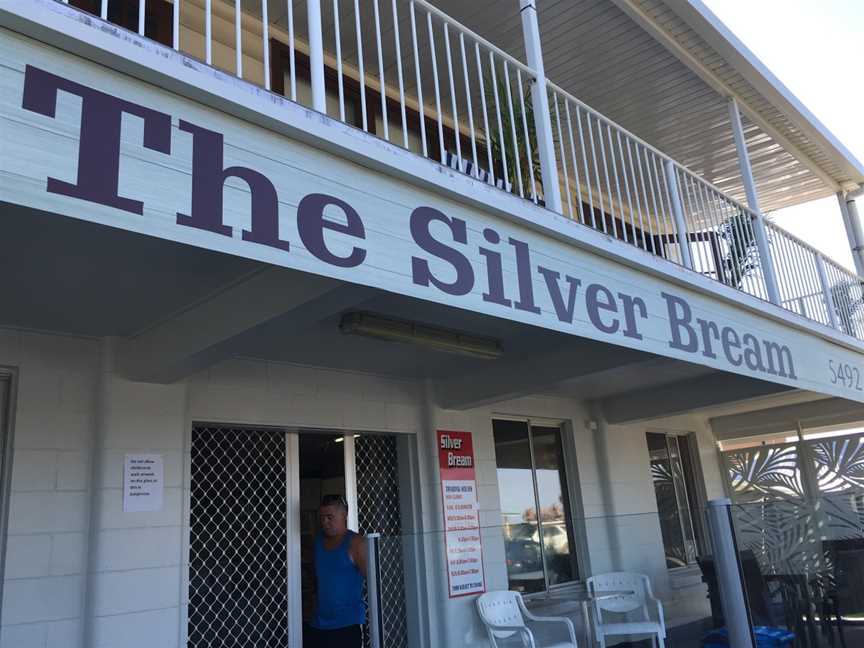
x=674 y=472
x=158 y=17
x=535 y=507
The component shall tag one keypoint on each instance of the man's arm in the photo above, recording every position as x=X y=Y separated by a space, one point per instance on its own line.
x=358 y=553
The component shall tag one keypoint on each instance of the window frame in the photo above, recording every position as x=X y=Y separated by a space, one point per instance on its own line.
x=8 y=399
x=694 y=491
x=572 y=508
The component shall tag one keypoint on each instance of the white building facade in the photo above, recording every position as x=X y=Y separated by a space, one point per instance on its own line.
x=274 y=266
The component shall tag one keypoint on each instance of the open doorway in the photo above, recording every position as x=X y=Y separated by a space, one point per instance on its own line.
x=322 y=472
x=253 y=519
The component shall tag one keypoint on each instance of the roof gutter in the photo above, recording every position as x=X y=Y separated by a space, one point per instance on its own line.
x=852 y=223
x=702 y=20
x=857 y=193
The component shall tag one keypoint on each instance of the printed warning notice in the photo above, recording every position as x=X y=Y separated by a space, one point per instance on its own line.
x=461 y=515
x=143 y=483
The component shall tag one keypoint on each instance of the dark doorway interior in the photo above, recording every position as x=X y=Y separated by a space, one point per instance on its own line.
x=322 y=472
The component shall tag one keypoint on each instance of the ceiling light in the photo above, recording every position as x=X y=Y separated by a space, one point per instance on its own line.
x=440 y=339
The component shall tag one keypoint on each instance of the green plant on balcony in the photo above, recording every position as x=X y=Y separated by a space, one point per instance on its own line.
x=503 y=143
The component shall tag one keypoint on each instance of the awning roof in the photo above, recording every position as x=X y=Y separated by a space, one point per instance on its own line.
x=664 y=69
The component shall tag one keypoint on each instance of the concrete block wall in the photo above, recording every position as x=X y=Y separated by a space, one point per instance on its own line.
x=455 y=622
x=626 y=535
x=49 y=503
x=76 y=420
x=136 y=558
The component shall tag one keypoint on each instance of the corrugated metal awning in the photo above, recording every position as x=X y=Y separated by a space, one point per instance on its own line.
x=664 y=69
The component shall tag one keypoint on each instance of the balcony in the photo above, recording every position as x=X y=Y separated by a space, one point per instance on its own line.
x=408 y=73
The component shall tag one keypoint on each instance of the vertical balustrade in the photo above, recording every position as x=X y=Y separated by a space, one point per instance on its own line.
x=826 y=291
x=482 y=117
x=316 y=55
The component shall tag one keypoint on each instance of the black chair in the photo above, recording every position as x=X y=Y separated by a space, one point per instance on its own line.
x=764 y=598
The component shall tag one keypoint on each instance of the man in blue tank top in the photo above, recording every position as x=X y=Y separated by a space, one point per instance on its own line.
x=340 y=566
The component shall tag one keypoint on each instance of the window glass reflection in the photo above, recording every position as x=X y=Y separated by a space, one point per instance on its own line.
x=534 y=506
x=554 y=504
x=518 y=518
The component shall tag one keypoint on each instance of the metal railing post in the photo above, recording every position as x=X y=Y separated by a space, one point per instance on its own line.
x=727 y=569
x=678 y=213
x=316 y=56
x=826 y=291
x=373 y=589
x=850 y=217
x=853 y=231
x=540 y=103
x=759 y=230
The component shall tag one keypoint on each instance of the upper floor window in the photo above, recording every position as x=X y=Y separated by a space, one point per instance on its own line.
x=158 y=23
x=535 y=505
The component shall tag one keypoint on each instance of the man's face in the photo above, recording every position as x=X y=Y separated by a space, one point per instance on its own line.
x=333 y=519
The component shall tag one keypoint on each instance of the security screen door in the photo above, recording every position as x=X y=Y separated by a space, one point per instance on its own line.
x=243 y=542
x=249 y=515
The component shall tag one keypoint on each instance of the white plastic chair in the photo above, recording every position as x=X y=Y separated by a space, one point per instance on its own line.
x=504 y=614
x=641 y=596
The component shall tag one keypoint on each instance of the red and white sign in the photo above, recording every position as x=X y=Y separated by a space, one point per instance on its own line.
x=461 y=515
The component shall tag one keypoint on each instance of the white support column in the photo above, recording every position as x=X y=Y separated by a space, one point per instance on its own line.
x=349 y=455
x=373 y=589
x=759 y=229
x=316 y=56
x=727 y=570
x=854 y=233
x=826 y=291
x=540 y=103
x=678 y=214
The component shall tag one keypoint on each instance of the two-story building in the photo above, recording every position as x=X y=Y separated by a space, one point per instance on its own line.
x=256 y=252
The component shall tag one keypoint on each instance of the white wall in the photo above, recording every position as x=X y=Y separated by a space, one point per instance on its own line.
x=63 y=492
x=66 y=407
x=454 y=622
x=48 y=517
x=626 y=533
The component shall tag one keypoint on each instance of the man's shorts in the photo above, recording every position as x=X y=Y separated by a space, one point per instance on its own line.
x=348 y=637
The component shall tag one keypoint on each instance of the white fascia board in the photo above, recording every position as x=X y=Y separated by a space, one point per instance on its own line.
x=701 y=19
x=73 y=31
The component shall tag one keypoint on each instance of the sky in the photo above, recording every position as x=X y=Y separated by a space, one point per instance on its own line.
x=816 y=48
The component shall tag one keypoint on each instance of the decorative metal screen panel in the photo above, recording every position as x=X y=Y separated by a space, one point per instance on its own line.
x=765 y=472
x=238 y=543
x=787 y=507
x=839 y=464
x=376 y=462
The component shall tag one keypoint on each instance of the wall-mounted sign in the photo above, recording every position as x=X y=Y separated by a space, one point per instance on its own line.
x=461 y=515
x=86 y=142
x=143 y=483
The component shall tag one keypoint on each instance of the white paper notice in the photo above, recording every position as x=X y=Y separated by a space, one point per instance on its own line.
x=143 y=483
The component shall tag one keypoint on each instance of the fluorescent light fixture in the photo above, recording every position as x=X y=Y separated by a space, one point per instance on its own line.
x=440 y=339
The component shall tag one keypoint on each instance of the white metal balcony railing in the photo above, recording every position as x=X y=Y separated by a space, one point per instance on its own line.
x=408 y=73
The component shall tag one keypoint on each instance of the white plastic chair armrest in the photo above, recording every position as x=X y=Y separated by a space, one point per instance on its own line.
x=522 y=630
x=549 y=619
x=660 y=617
